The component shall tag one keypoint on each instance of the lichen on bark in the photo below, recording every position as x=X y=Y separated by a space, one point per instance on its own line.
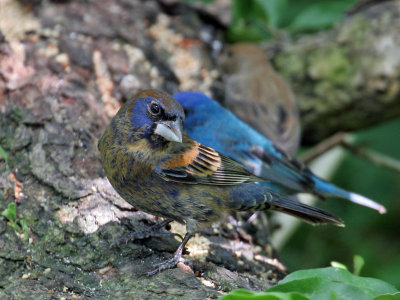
x=346 y=78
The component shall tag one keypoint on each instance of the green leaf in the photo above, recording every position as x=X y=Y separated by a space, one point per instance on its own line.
x=395 y=296
x=25 y=228
x=315 y=283
x=248 y=11
x=4 y=154
x=248 y=295
x=10 y=212
x=273 y=9
x=320 y=15
x=255 y=20
x=248 y=33
x=323 y=284
x=246 y=19
x=15 y=226
x=336 y=264
x=358 y=264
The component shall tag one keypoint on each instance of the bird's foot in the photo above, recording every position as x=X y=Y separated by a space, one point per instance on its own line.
x=143 y=234
x=168 y=264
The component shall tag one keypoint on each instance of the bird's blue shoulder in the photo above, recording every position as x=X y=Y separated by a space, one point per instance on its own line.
x=211 y=124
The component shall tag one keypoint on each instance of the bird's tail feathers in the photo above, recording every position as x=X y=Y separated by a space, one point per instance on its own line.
x=307 y=213
x=329 y=189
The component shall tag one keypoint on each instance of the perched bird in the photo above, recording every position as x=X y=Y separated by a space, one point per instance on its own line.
x=214 y=126
x=156 y=167
x=259 y=96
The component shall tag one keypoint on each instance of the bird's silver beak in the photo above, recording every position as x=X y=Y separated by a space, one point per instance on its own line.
x=170 y=130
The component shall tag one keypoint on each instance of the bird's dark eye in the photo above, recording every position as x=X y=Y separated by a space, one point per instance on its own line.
x=155 y=109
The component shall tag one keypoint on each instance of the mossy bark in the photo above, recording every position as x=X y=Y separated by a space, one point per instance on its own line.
x=59 y=85
x=347 y=78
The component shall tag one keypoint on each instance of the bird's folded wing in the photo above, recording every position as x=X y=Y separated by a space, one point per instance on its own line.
x=207 y=166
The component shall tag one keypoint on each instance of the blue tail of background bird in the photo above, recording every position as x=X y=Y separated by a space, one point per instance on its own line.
x=328 y=189
x=295 y=176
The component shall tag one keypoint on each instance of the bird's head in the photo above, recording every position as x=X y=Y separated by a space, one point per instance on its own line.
x=156 y=115
x=243 y=58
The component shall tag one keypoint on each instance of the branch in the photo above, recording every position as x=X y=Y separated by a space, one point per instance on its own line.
x=347 y=78
x=345 y=140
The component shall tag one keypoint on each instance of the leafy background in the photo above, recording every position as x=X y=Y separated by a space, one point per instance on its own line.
x=320 y=284
x=258 y=20
x=374 y=237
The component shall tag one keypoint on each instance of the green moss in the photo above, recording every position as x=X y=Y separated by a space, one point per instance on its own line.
x=332 y=65
x=290 y=66
x=355 y=32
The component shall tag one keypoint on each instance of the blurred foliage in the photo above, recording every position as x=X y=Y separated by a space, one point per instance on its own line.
x=10 y=213
x=318 y=284
x=358 y=264
x=374 y=236
x=256 y=20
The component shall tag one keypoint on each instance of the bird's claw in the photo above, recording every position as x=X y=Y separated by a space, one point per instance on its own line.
x=168 y=264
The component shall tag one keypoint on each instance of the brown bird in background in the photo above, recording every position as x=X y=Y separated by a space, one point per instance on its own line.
x=259 y=96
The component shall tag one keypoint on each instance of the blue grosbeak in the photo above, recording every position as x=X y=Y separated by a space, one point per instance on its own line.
x=259 y=96
x=212 y=125
x=156 y=167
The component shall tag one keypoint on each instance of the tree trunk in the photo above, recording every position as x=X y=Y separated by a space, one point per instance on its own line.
x=60 y=83
x=348 y=78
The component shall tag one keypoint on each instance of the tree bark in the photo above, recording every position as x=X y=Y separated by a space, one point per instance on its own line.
x=348 y=78
x=62 y=77
x=59 y=85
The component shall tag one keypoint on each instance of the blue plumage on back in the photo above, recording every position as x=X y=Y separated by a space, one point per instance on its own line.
x=212 y=125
